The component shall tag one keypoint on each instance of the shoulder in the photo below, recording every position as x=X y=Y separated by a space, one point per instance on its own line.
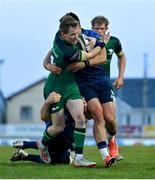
x=90 y=33
x=113 y=38
x=115 y=41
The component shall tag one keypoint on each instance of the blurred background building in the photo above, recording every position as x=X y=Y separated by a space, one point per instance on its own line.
x=2 y=109
x=21 y=112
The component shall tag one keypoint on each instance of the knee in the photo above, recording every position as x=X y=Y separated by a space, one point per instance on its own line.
x=78 y=116
x=79 y=119
x=110 y=118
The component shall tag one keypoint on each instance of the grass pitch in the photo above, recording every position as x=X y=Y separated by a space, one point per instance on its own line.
x=139 y=162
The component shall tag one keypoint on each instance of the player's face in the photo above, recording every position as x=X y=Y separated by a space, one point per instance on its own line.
x=100 y=28
x=71 y=36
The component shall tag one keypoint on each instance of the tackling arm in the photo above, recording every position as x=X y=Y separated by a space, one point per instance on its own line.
x=99 y=59
x=50 y=67
x=44 y=113
x=51 y=99
x=91 y=54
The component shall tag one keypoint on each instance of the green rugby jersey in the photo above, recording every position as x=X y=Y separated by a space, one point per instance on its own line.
x=64 y=54
x=113 y=46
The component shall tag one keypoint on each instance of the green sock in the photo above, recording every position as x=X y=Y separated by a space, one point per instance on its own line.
x=79 y=137
x=46 y=138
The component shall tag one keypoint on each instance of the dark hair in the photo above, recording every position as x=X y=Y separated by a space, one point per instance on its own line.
x=67 y=22
x=74 y=16
x=99 y=20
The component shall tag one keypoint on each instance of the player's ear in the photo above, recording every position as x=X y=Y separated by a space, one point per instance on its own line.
x=62 y=33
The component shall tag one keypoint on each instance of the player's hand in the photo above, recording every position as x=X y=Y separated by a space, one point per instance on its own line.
x=53 y=98
x=118 y=83
x=106 y=37
x=54 y=69
x=91 y=44
x=76 y=66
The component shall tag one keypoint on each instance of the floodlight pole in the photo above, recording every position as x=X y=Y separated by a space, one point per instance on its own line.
x=1 y=63
x=145 y=89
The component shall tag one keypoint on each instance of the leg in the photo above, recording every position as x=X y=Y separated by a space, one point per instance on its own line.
x=22 y=155
x=76 y=109
x=95 y=108
x=109 y=116
x=111 y=126
x=90 y=93
x=25 y=144
x=106 y=99
x=80 y=127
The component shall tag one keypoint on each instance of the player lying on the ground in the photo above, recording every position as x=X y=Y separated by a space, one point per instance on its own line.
x=59 y=148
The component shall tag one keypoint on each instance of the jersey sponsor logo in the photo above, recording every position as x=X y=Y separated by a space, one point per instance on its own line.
x=55 y=108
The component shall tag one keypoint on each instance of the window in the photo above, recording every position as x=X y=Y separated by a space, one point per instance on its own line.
x=128 y=119
x=149 y=119
x=26 y=113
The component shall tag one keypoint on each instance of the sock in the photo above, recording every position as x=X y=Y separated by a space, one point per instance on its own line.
x=102 y=146
x=46 y=138
x=79 y=137
x=33 y=158
x=29 y=144
x=78 y=156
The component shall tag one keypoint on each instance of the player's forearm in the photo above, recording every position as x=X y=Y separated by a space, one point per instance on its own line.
x=44 y=113
x=94 y=52
x=121 y=66
x=47 y=60
x=91 y=54
x=99 y=59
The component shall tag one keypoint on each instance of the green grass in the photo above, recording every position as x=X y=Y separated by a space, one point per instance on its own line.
x=139 y=162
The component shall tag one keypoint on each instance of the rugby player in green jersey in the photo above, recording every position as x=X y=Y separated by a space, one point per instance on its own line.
x=65 y=51
x=98 y=127
x=100 y=25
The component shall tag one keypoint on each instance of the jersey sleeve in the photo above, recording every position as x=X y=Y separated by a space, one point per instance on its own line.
x=118 y=47
x=73 y=54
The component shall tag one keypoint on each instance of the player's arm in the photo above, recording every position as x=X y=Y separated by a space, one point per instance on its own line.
x=99 y=59
x=121 y=69
x=95 y=52
x=77 y=56
x=51 y=99
x=121 y=65
x=49 y=66
x=118 y=83
x=91 y=54
x=81 y=56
